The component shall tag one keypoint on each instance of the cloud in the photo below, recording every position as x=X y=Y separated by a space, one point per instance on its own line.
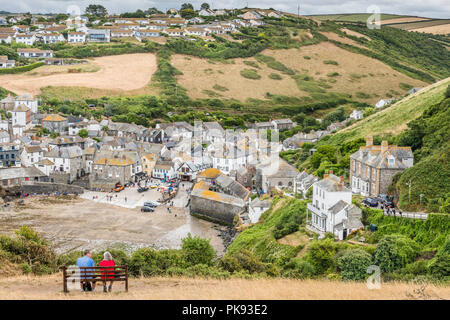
x=430 y=8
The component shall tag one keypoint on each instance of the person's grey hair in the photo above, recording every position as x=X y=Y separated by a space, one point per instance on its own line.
x=107 y=256
x=87 y=251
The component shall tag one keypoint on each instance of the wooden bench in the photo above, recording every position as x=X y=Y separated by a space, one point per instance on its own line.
x=77 y=275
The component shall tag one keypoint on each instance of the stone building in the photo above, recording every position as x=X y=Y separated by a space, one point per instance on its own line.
x=55 y=123
x=373 y=167
x=107 y=171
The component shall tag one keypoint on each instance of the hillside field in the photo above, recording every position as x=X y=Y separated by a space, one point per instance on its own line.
x=394 y=118
x=108 y=74
x=366 y=79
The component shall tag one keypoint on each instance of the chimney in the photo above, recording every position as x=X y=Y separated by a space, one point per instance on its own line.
x=384 y=146
x=369 y=141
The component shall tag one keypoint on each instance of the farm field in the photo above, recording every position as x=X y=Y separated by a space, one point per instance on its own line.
x=353 y=75
x=440 y=29
x=160 y=288
x=413 y=26
x=119 y=73
x=355 y=17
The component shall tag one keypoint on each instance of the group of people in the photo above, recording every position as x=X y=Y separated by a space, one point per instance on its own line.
x=389 y=211
x=87 y=281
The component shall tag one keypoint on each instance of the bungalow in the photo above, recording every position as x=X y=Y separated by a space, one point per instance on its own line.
x=256 y=208
x=27 y=39
x=5 y=63
x=174 y=32
x=76 y=37
x=275 y=14
x=121 y=33
x=3 y=21
x=251 y=15
x=142 y=34
x=21 y=28
x=356 y=114
x=175 y=22
x=5 y=38
x=53 y=37
x=99 y=35
x=196 y=20
x=200 y=32
x=384 y=102
x=34 y=53
x=206 y=13
x=216 y=30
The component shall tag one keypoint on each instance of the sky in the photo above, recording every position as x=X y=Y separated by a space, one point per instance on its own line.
x=429 y=8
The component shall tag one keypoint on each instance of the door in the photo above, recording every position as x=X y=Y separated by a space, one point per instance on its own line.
x=344 y=234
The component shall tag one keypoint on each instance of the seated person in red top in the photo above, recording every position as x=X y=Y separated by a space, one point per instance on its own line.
x=107 y=262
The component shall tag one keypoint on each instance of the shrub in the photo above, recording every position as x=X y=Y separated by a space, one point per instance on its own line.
x=250 y=74
x=275 y=76
x=394 y=252
x=150 y=262
x=298 y=268
x=335 y=63
x=440 y=265
x=253 y=64
x=320 y=255
x=333 y=74
x=220 y=88
x=353 y=264
x=197 y=250
x=26 y=68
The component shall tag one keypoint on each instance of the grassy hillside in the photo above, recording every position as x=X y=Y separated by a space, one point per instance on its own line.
x=393 y=119
x=354 y=17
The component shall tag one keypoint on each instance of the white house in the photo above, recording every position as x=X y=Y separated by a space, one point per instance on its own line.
x=5 y=38
x=256 y=208
x=21 y=116
x=206 y=13
x=164 y=170
x=6 y=63
x=53 y=37
x=28 y=39
x=356 y=114
x=28 y=100
x=99 y=35
x=34 y=53
x=45 y=166
x=174 y=32
x=76 y=37
x=332 y=209
x=384 y=102
x=31 y=155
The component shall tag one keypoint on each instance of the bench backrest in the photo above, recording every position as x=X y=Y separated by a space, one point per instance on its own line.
x=77 y=274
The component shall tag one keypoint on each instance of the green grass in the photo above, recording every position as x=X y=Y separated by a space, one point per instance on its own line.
x=220 y=88
x=252 y=64
x=332 y=62
x=259 y=238
x=354 y=17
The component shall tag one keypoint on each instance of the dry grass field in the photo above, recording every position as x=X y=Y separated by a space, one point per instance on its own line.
x=356 y=74
x=403 y=20
x=199 y=75
x=441 y=29
x=158 y=288
x=120 y=74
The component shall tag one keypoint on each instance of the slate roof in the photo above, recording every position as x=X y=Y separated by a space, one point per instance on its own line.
x=332 y=183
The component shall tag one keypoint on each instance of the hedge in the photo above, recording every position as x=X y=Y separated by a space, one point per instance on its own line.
x=22 y=69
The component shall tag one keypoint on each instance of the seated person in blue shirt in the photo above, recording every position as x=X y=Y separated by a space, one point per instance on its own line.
x=86 y=261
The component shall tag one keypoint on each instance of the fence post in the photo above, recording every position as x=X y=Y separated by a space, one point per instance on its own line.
x=64 y=279
x=126 y=278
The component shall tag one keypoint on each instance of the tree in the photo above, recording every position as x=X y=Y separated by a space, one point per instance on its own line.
x=325 y=152
x=394 y=252
x=153 y=10
x=96 y=10
x=353 y=264
x=83 y=133
x=205 y=6
x=447 y=92
x=185 y=6
x=197 y=250
x=188 y=13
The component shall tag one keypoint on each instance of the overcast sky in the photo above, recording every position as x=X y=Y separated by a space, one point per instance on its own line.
x=428 y=8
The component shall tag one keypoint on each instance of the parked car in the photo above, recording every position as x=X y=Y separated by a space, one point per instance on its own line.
x=151 y=204
x=142 y=189
x=371 y=202
x=147 y=209
x=118 y=187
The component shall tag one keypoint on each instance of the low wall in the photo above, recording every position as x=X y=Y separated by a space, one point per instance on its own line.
x=214 y=211
x=47 y=187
